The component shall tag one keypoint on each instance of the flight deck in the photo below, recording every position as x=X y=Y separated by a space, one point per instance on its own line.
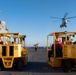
x=37 y=65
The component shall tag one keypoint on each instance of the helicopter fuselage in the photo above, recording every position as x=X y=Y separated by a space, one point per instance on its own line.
x=64 y=23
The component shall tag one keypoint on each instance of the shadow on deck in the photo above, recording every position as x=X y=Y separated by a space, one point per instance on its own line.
x=37 y=67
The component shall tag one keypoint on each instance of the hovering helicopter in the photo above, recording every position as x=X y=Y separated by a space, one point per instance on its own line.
x=64 y=20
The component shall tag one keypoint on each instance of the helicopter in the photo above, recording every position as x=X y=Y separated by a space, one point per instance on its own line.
x=64 y=20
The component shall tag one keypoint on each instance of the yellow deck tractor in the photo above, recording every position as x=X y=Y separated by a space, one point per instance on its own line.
x=67 y=58
x=12 y=50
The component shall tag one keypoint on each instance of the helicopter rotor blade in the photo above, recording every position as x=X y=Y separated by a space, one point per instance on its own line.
x=55 y=17
x=68 y=20
x=71 y=17
x=65 y=15
x=57 y=20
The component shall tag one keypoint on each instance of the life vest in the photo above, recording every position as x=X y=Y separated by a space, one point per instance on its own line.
x=58 y=45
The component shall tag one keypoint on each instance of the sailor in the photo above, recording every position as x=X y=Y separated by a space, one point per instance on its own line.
x=36 y=48
x=58 y=45
x=1 y=42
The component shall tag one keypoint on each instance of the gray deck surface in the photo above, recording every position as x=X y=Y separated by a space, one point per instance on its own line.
x=37 y=65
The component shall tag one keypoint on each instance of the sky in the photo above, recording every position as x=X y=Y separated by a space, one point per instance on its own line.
x=32 y=17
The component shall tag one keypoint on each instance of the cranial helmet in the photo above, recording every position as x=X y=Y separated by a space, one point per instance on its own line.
x=58 y=40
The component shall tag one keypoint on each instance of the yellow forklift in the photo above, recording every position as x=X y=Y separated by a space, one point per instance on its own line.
x=12 y=50
x=67 y=60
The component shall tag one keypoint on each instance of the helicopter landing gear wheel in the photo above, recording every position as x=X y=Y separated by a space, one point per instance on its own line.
x=65 y=26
